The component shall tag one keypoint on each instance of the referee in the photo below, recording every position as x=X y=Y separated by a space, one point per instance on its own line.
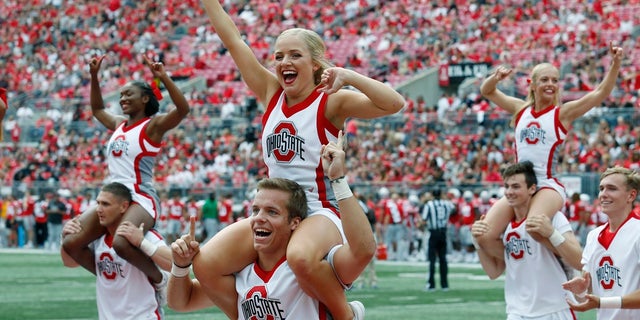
x=436 y=214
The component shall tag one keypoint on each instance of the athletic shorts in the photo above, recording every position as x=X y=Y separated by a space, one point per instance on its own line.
x=551 y=183
x=146 y=197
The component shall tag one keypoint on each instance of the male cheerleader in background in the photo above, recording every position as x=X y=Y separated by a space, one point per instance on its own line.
x=534 y=274
x=122 y=290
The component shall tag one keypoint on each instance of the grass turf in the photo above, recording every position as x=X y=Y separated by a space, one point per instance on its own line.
x=35 y=285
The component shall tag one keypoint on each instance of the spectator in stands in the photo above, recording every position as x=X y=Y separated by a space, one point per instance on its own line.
x=541 y=125
x=131 y=154
x=307 y=105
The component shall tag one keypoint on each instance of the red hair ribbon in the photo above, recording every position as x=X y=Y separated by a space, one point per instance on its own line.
x=156 y=90
x=3 y=96
x=528 y=81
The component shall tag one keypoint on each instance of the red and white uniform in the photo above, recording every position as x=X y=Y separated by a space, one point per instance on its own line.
x=193 y=209
x=68 y=213
x=575 y=210
x=393 y=210
x=131 y=158
x=292 y=137
x=225 y=214
x=39 y=211
x=597 y=217
x=274 y=295
x=539 y=136
x=163 y=219
x=525 y=257
x=467 y=216
x=122 y=290
x=613 y=260
x=176 y=216
x=26 y=214
x=485 y=205
x=14 y=210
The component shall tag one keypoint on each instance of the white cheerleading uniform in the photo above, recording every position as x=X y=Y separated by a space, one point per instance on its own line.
x=613 y=260
x=539 y=136
x=526 y=258
x=131 y=158
x=122 y=290
x=292 y=138
x=274 y=295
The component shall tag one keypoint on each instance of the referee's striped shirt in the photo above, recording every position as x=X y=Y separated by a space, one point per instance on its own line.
x=436 y=213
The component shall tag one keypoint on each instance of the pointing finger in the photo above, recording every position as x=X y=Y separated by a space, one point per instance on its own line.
x=192 y=227
x=142 y=227
x=146 y=59
x=340 y=141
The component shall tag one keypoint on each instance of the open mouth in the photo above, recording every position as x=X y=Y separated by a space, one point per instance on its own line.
x=289 y=76
x=261 y=233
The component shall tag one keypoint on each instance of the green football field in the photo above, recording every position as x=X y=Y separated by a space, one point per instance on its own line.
x=35 y=285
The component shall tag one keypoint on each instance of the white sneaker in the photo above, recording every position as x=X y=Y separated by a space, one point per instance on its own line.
x=161 y=288
x=358 y=310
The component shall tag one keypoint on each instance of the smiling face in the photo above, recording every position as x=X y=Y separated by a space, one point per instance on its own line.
x=270 y=222
x=132 y=100
x=545 y=81
x=294 y=63
x=516 y=191
x=615 y=196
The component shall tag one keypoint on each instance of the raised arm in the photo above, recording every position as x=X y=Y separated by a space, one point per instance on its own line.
x=489 y=89
x=110 y=121
x=574 y=109
x=374 y=99
x=259 y=79
x=350 y=259
x=162 y=123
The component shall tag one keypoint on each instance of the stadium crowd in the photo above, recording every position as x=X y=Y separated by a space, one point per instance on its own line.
x=457 y=142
